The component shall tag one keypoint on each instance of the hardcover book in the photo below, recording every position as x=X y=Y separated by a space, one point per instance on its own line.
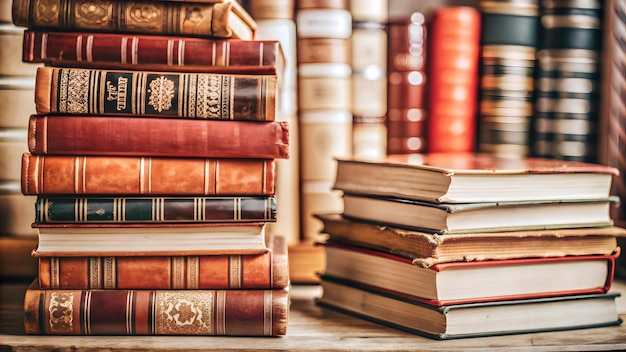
x=465 y=282
x=152 y=52
x=51 y=209
x=156 y=312
x=97 y=240
x=227 y=19
x=473 y=319
x=132 y=136
x=266 y=270
x=133 y=175
x=427 y=249
x=474 y=177
x=479 y=217
x=93 y=91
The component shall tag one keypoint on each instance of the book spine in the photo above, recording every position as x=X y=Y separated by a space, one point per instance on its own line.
x=75 y=49
x=100 y=135
x=163 y=17
x=156 y=312
x=10 y=60
x=162 y=210
x=453 y=52
x=267 y=270
x=163 y=94
x=137 y=175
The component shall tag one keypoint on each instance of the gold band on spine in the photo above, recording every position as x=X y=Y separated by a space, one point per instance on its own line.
x=44 y=45
x=129 y=312
x=234 y=271
x=178 y=272
x=124 y=50
x=109 y=275
x=208 y=178
x=87 y=313
x=267 y=313
x=170 y=52
x=79 y=48
x=220 y=308
x=193 y=272
x=89 y=48
x=95 y=272
x=54 y=273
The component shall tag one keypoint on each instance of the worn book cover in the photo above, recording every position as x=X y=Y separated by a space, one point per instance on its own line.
x=226 y=19
x=427 y=249
x=153 y=52
x=240 y=312
x=265 y=270
x=132 y=93
x=473 y=177
x=157 y=137
x=134 y=175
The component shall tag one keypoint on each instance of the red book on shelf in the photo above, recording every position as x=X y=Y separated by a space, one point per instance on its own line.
x=132 y=136
x=217 y=271
x=65 y=174
x=152 y=52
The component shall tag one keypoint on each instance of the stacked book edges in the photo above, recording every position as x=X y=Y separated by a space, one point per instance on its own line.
x=151 y=156
x=462 y=244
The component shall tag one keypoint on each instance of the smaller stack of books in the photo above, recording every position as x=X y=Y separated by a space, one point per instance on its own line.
x=152 y=156
x=462 y=244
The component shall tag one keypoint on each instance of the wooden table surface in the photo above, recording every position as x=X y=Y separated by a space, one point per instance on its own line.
x=310 y=328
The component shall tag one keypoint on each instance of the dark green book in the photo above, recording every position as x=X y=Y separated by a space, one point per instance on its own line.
x=154 y=209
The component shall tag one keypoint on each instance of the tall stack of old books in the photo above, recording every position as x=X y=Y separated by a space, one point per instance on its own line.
x=460 y=244
x=152 y=156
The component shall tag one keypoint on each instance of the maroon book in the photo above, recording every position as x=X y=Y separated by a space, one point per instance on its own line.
x=98 y=135
x=152 y=52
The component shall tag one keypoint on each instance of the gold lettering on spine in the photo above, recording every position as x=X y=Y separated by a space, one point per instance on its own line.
x=180 y=312
x=60 y=309
x=234 y=271
x=193 y=272
x=110 y=272
x=178 y=272
x=267 y=313
x=95 y=272
x=54 y=272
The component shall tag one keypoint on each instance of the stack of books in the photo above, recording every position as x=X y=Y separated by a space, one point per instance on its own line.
x=152 y=156
x=464 y=244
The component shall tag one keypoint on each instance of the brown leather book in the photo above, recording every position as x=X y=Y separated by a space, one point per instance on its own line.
x=209 y=96
x=152 y=52
x=100 y=135
x=224 y=19
x=220 y=271
x=64 y=174
x=156 y=312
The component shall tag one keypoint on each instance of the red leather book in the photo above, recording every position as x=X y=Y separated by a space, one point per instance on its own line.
x=219 y=271
x=226 y=19
x=100 y=135
x=453 y=79
x=156 y=312
x=64 y=174
x=152 y=52
x=133 y=93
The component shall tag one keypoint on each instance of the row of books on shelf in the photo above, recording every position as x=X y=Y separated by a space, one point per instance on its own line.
x=459 y=245
x=154 y=176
